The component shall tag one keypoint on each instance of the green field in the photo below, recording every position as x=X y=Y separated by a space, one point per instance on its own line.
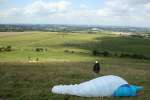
x=24 y=80
x=25 y=45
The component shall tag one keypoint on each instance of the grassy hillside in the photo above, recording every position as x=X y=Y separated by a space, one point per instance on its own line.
x=67 y=59
x=33 y=81
x=82 y=44
x=25 y=44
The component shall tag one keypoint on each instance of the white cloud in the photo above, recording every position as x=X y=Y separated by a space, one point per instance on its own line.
x=127 y=12
x=41 y=7
x=114 y=12
x=38 y=8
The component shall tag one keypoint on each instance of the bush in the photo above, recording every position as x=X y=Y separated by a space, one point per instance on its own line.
x=123 y=55
x=39 y=49
x=116 y=55
x=66 y=50
x=136 y=56
x=94 y=52
x=106 y=53
x=8 y=48
x=100 y=53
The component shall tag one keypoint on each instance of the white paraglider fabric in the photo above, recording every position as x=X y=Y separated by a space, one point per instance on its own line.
x=101 y=86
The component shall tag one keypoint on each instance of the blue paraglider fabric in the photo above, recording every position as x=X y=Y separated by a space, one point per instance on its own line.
x=127 y=90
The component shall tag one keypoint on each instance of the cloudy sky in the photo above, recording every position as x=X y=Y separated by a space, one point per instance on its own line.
x=91 y=12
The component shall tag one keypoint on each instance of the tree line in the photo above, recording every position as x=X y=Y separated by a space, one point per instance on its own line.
x=121 y=55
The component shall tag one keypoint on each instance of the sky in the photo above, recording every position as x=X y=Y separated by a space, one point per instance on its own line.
x=80 y=12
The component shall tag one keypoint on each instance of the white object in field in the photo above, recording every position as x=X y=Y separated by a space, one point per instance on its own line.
x=99 y=87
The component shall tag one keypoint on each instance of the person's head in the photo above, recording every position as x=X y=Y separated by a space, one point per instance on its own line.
x=96 y=61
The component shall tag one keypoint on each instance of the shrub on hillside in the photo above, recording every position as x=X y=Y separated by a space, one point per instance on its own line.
x=39 y=49
x=100 y=53
x=67 y=51
x=72 y=51
x=7 y=48
x=136 y=56
x=95 y=52
x=122 y=55
x=106 y=53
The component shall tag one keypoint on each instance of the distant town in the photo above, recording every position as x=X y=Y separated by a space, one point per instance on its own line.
x=69 y=28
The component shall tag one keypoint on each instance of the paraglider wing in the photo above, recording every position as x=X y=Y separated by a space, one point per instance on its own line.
x=102 y=86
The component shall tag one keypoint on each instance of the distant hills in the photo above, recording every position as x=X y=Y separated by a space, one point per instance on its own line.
x=68 y=28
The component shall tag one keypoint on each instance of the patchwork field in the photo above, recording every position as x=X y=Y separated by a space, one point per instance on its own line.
x=66 y=58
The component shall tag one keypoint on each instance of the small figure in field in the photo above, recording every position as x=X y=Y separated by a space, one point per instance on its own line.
x=96 y=68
